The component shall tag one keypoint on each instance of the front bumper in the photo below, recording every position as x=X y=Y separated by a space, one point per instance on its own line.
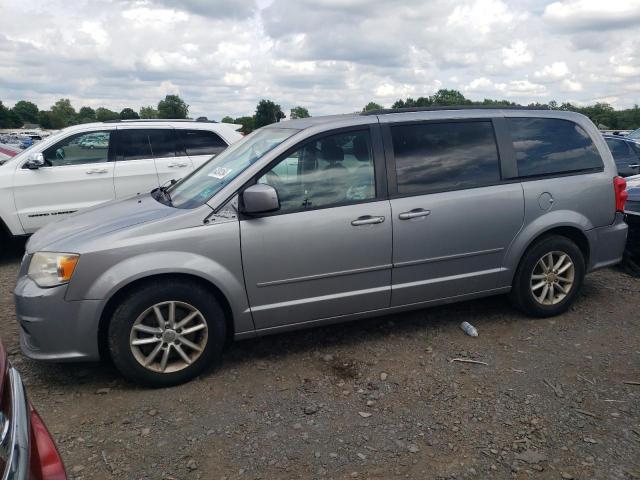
x=17 y=438
x=54 y=329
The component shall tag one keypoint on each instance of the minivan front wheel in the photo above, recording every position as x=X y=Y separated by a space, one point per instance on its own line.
x=549 y=277
x=166 y=332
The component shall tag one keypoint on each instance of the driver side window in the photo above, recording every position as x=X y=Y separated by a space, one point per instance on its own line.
x=333 y=170
x=88 y=147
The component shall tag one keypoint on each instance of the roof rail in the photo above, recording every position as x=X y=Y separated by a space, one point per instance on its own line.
x=142 y=120
x=385 y=111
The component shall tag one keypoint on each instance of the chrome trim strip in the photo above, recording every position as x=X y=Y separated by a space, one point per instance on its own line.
x=322 y=298
x=410 y=263
x=446 y=279
x=323 y=275
x=18 y=463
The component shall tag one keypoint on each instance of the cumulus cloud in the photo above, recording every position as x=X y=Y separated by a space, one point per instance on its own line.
x=332 y=56
x=593 y=14
x=555 y=71
x=516 y=55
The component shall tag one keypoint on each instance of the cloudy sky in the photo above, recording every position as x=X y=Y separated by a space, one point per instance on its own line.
x=332 y=56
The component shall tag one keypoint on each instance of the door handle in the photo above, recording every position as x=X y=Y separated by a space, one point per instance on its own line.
x=96 y=170
x=367 y=220
x=415 y=213
x=634 y=165
x=177 y=165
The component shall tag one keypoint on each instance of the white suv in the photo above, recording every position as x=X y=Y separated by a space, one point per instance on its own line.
x=88 y=164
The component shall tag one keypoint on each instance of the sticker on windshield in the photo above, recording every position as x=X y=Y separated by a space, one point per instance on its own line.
x=220 y=172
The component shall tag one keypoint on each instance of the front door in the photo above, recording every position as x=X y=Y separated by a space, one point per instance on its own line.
x=77 y=174
x=453 y=220
x=327 y=251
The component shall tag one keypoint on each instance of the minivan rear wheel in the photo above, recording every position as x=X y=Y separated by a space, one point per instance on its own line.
x=166 y=332
x=549 y=277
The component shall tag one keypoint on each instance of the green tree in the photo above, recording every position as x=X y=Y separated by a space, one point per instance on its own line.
x=8 y=118
x=51 y=120
x=299 y=112
x=446 y=97
x=267 y=112
x=63 y=110
x=148 y=112
x=104 y=114
x=86 y=115
x=372 y=106
x=129 y=114
x=227 y=119
x=172 y=107
x=248 y=124
x=27 y=111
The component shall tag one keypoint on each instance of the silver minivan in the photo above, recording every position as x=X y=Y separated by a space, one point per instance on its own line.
x=323 y=220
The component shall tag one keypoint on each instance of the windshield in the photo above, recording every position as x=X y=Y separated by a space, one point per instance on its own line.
x=197 y=188
x=635 y=135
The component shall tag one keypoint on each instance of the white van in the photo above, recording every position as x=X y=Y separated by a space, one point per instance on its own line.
x=88 y=164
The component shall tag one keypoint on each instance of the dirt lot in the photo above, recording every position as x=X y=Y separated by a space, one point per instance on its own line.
x=371 y=399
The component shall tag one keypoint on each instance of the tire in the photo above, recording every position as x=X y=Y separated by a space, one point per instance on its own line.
x=527 y=290
x=140 y=308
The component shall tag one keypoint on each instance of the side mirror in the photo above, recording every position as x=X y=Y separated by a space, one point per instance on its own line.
x=36 y=160
x=260 y=198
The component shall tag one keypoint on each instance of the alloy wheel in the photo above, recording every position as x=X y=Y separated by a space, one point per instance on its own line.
x=168 y=336
x=552 y=278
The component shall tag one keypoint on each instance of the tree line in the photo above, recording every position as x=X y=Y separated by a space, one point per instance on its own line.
x=63 y=114
x=602 y=114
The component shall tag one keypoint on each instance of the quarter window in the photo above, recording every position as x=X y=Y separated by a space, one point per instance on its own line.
x=201 y=142
x=548 y=145
x=432 y=157
x=333 y=170
x=81 y=148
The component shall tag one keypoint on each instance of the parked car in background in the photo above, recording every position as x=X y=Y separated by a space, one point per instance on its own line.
x=322 y=220
x=84 y=165
x=27 y=451
x=626 y=154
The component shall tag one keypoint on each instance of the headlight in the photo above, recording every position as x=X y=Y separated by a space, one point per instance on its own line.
x=49 y=269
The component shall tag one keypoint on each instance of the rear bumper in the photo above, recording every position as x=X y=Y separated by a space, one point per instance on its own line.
x=52 y=328
x=607 y=244
x=18 y=436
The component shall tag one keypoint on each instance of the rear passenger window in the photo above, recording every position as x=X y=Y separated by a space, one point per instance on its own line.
x=548 y=145
x=133 y=144
x=432 y=157
x=163 y=143
x=201 y=142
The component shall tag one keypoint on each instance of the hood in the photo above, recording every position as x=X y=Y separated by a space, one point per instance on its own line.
x=98 y=221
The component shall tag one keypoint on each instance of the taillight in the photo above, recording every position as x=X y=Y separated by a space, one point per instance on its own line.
x=5 y=420
x=620 y=190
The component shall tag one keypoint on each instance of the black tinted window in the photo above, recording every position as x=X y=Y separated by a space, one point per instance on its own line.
x=547 y=145
x=439 y=156
x=201 y=142
x=618 y=147
x=163 y=143
x=133 y=144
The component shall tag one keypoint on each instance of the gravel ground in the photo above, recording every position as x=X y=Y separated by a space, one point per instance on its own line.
x=375 y=398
